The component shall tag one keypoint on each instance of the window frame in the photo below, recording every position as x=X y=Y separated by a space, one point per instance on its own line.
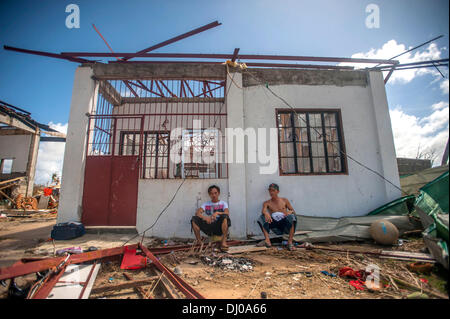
x=2 y=165
x=339 y=127
x=143 y=156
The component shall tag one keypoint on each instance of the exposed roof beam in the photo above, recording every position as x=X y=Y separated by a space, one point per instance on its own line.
x=230 y=56
x=15 y=107
x=47 y=54
x=110 y=93
x=11 y=121
x=175 y=39
x=235 y=55
x=55 y=134
x=52 y=139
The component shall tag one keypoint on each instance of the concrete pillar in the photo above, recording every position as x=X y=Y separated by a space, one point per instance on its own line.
x=385 y=136
x=32 y=160
x=84 y=98
x=236 y=171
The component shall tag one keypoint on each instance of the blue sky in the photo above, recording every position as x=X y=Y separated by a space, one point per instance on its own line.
x=320 y=28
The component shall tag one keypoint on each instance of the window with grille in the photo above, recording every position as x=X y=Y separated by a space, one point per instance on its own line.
x=156 y=146
x=200 y=154
x=310 y=142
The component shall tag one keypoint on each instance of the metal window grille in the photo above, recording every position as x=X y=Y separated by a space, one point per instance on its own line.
x=310 y=142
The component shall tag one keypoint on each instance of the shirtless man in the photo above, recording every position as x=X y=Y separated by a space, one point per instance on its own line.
x=278 y=216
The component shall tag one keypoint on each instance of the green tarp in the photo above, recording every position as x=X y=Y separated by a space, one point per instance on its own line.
x=432 y=208
x=401 y=206
x=412 y=184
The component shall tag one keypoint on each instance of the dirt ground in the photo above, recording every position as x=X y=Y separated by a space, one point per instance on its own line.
x=18 y=235
x=277 y=272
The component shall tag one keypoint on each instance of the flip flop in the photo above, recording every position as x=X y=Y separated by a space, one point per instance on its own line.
x=224 y=248
x=263 y=243
x=290 y=247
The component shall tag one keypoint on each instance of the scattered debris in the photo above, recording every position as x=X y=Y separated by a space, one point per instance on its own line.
x=229 y=263
x=326 y=273
x=70 y=250
x=420 y=267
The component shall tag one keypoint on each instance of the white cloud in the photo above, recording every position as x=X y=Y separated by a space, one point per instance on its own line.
x=391 y=49
x=50 y=157
x=444 y=86
x=439 y=105
x=427 y=133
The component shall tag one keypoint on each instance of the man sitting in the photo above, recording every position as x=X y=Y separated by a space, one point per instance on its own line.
x=278 y=216
x=212 y=218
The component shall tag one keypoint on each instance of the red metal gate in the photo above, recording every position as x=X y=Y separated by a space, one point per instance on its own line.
x=111 y=175
x=110 y=191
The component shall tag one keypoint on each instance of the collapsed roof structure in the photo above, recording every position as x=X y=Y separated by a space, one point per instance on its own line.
x=20 y=135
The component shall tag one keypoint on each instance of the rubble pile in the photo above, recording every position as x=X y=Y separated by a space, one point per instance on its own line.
x=229 y=263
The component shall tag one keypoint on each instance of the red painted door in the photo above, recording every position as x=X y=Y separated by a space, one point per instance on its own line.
x=110 y=191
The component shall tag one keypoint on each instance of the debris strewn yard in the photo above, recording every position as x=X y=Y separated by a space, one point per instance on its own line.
x=269 y=273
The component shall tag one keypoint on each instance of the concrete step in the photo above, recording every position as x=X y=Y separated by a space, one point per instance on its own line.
x=111 y=230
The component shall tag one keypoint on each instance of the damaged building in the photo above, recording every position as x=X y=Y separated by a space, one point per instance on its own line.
x=118 y=169
x=20 y=136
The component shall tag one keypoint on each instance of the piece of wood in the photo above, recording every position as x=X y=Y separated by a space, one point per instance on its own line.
x=408 y=259
x=138 y=288
x=244 y=249
x=11 y=180
x=169 y=289
x=124 y=285
x=7 y=197
x=407 y=254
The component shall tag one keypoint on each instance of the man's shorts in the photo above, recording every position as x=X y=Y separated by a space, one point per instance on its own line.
x=279 y=227
x=215 y=228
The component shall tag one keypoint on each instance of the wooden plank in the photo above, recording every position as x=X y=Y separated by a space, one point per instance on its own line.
x=139 y=289
x=409 y=259
x=124 y=285
x=7 y=197
x=407 y=254
x=168 y=288
x=245 y=249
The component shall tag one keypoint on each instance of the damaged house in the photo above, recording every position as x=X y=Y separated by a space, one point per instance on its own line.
x=20 y=136
x=119 y=168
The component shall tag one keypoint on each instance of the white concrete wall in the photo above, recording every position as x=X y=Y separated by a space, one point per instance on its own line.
x=385 y=134
x=236 y=171
x=154 y=195
x=16 y=147
x=354 y=194
x=84 y=97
